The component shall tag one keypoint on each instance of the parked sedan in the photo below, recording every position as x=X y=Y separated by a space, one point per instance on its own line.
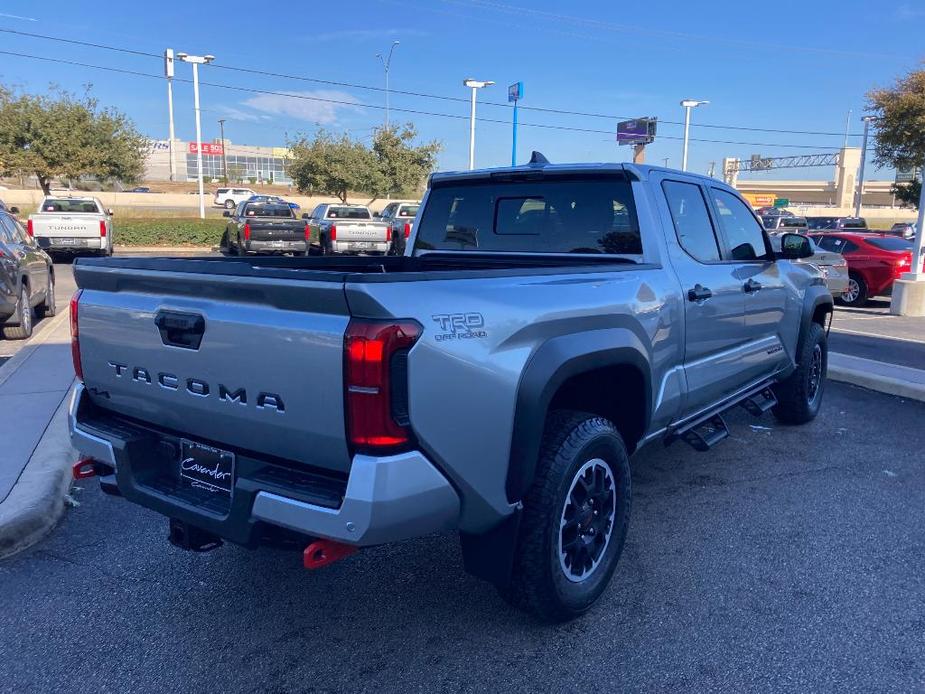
x=875 y=261
x=27 y=280
x=833 y=266
x=837 y=223
x=904 y=230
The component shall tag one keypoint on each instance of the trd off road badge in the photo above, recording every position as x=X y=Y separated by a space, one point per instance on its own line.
x=459 y=326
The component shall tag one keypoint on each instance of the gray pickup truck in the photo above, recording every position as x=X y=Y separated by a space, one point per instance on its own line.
x=546 y=322
x=264 y=227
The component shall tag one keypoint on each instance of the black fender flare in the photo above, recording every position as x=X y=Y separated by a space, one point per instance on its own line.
x=816 y=295
x=556 y=361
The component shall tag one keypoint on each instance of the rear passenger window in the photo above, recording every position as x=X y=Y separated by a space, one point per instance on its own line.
x=691 y=220
x=743 y=233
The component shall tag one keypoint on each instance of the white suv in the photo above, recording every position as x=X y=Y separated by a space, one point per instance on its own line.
x=230 y=197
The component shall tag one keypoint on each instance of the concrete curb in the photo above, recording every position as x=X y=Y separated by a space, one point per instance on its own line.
x=39 y=337
x=891 y=379
x=36 y=502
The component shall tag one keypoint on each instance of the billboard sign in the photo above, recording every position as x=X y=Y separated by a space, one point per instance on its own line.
x=907 y=175
x=207 y=148
x=640 y=131
x=515 y=92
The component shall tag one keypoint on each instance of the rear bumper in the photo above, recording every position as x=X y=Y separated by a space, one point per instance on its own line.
x=384 y=499
x=71 y=243
x=299 y=246
x=360 y=246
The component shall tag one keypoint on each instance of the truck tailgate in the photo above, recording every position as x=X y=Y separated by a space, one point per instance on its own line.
x=361 y=231
x=71 y=226
x=269 y=230
x=265 y=376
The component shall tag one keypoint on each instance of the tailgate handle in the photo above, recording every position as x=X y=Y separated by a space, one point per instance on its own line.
x=180 y=329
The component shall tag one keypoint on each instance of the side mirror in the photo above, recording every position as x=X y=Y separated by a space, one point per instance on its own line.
x=14 y=210
x=377 y=214
x=795 y=246
x=109 y=211
x=226 y=213
x=305 y=215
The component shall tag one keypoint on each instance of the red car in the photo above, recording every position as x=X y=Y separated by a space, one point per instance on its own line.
x=874 y=261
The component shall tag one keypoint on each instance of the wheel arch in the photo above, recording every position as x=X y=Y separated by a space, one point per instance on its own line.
x=818 y=306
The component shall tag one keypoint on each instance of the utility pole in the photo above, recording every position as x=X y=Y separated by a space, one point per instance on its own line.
x=474 y=85
x=387 y=64
x=665 y=162
x=857 y=202
x=514 y=94
x=847 y=127
x=688 y=104
x=712 y=169
x=221 y=126
x=196 y=61
x=168 y=73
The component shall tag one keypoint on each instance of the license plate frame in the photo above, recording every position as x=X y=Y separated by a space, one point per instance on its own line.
x=206 y=467
x=66 y=242
x=360 y=245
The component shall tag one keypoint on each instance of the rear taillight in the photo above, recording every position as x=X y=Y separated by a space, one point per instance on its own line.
x=407 y=229
x=29 y=228
x=75 y=335
x=376 y=382
x=333 y=233
x=388 y=233
x=308 y=232
x=102 y=228
x=247 y=231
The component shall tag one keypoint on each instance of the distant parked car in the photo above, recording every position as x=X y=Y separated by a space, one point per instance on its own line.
x=27 y=280
x=836 y=223
x=139 y=189
x=399 y=216
x=229 y=198
x=264 y=227
x=347 y=229
x=792 y=223
x=274 y=198
x=875 y=261
x=904 y=230
x=773 y=211
x=72 y=224
x=832 y=265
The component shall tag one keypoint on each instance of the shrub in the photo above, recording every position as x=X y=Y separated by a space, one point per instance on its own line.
x=168 y=232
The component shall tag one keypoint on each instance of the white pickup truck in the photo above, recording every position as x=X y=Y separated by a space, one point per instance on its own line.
x=347 y=229
x=69 y=224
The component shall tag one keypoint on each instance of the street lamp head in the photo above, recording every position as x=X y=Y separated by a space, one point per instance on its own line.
x=476 y=84
x=693 y=103
x=209 y=58
x=182 y=56
x=195 y=59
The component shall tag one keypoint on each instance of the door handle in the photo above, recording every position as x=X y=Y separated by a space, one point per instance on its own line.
x=699 y=293
x=752 y=286
x=180 y=329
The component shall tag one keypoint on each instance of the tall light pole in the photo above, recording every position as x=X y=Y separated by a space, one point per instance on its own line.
x=387 y=65
x=474 y=85
x=196 y=61
x=221 y=127
x=688 y=104
x=168 y=73
x=857 y=202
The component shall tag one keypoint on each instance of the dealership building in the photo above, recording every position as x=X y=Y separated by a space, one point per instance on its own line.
x=244 y=162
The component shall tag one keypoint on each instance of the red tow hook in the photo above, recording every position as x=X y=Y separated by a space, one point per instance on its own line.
x=84 y=468
x=323 y=552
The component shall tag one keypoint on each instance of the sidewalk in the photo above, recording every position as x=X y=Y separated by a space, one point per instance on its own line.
x=883 y=377
x=35 y=456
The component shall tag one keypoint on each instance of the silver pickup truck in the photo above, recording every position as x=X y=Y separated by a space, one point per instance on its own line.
x=346 y=229
x=546 y=322
x=72 y=224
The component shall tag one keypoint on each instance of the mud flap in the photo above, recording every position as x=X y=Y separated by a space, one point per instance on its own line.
x=490 y=555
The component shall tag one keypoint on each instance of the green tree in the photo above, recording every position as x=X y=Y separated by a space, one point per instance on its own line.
x=403 y=166
x=908 y=192
x=60 y=135
x=333 y=166
x=899 y=127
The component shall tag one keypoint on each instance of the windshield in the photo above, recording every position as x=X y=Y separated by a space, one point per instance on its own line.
x=793 y=222
x=821 y=222
x=348 y=213
x=890 y=243
x=67 y=205
x=408 y=211
x=854 y=224
x=569 y=215
x=261 y=209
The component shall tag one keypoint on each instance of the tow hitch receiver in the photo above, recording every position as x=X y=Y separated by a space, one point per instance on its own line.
x=323 y=552
x=84 y=468
x=191 y=538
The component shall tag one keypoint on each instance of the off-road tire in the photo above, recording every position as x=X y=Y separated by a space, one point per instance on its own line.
x=24 y=311
x=798 y=400
x=47 y=307
x=539 y=583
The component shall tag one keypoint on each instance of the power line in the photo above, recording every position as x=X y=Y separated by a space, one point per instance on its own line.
x=425 y=95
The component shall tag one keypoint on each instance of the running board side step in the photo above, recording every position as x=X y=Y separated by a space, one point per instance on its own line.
x=702 y=437
x=759 y=403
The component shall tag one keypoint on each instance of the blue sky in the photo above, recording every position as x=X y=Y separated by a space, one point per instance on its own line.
x=782 y=65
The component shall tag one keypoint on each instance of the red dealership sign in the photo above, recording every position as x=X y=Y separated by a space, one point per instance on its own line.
x=207 y=148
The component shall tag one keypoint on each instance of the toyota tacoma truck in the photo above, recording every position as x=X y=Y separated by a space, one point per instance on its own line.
x=546 y=322
x=72 y=224
x=347 y=229
x=264 y=227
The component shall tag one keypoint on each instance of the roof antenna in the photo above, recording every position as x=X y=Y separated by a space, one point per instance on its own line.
x=537 y=158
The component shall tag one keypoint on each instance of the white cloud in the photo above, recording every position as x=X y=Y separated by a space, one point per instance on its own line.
x=232 y=113
x=322 y=106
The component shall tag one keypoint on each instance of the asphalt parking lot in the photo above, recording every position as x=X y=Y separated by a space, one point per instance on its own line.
x=787 y=559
